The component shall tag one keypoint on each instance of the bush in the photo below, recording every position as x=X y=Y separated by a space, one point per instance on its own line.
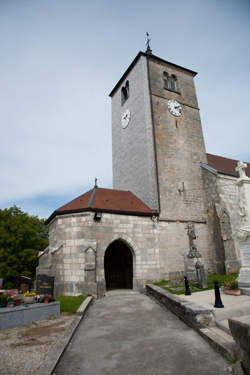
x=231 y=284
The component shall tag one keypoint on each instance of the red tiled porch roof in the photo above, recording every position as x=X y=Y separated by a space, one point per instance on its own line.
x=105 y=200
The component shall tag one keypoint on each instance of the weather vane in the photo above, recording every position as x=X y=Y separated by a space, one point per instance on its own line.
x=148 y=50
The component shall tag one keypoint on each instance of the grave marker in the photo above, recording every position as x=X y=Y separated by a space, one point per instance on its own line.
x=23 y=283
x=45 y=284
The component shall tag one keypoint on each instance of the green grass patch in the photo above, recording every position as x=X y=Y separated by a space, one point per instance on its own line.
x=70 y=303
x=194 y=286
x=162 y=282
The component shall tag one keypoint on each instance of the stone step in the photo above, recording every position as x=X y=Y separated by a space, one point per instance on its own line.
x=223 y=324
x=221 y=341
x=245 y=291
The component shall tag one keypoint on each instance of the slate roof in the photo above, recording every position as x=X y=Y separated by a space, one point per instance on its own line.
x=225 y=165
x=105 y=200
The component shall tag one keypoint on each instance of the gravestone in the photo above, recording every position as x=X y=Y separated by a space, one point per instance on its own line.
x=1 y=283
x=23 y=283
x=90 y=265
x=244 y=233
x=45 y=284
x=201 y=274
x=244 y=276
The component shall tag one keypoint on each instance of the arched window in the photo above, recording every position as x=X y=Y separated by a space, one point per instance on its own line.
x=173 y=82
x=166 y=80
x=125 y=92
x=170 y=82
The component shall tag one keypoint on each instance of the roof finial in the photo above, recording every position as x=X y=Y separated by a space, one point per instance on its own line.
x=148 y=50
x=96 y=183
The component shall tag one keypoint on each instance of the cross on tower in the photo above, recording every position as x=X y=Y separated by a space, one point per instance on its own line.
x=148 y=50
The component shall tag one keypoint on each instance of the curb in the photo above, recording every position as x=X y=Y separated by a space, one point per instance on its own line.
x=197 y=317
x=56 y=352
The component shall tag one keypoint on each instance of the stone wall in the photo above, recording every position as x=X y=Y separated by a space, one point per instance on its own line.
x=132 y=147
x=223 y=217
x=179 y=144
x=158 y=250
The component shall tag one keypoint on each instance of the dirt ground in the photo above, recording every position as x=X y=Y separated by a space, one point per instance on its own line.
x=24 y=348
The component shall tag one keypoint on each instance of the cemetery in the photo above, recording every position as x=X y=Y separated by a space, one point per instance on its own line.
x=23 y=306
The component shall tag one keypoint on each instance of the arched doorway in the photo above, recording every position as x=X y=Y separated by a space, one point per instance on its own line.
x=118 y=266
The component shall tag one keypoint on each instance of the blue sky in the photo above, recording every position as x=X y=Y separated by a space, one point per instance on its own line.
x=59 y=61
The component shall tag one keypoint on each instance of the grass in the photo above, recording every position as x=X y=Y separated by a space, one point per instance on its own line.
x=70 y=303
x=194 y=286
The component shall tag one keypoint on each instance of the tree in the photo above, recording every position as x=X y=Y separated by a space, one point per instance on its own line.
x=21 y=238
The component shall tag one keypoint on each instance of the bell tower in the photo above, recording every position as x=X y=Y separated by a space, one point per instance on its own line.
x=157 y=138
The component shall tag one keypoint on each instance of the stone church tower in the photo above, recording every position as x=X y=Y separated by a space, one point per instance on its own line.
x=163 y=183
x=157 y=138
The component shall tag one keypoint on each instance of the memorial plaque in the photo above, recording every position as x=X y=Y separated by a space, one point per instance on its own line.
x=23 y=283
x=245 y=254
x=45 y=284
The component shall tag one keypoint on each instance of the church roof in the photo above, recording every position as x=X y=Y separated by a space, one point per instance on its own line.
x=151 y=56
x=225 y=165
x=105 y=200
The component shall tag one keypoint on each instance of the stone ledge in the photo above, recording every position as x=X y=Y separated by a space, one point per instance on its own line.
x=194 y=315
x=240 y=328
x=11 y=317
x=198 y=317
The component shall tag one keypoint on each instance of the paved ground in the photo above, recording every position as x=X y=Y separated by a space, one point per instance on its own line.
x=130 y=334
x=234 y=306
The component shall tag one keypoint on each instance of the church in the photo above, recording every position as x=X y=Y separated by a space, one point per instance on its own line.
x=163 y=182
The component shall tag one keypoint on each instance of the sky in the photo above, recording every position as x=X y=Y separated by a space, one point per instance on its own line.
x=60 y=59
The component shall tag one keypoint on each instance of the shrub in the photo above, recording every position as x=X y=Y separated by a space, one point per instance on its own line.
x=230 y=284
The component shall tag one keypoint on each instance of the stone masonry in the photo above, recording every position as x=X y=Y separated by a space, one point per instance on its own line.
x=153 y=246
x=224 y=220
x=133 y=149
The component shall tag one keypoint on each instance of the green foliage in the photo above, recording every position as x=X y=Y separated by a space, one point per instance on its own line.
x=222 y=279
x=231 y=284
x=21 y=238
x=70 y=303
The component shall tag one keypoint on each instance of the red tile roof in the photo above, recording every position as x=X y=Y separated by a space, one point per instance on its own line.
x=106 y=200
x=225 y=165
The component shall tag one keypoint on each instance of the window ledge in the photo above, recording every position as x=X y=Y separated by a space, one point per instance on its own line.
x=176 y=92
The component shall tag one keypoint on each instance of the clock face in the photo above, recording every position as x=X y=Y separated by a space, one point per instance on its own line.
x=174 y=107
x=125 y=118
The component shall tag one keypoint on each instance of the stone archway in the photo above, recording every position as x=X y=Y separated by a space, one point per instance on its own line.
x=118 y=266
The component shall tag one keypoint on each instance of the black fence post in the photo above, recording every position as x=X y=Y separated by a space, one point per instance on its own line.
x=187 y=289
x=218 y=301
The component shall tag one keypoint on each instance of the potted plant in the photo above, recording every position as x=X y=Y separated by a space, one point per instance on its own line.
x=4 y=299
x=231 y=287
x=46 y=298
x=29 y=297
x=17 y=300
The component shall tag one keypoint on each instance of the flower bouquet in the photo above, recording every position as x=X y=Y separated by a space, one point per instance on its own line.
x=45 y=298
x=17 y=300
x=29 y=297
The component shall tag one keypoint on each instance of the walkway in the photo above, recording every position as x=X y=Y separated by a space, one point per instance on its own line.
x=130 y=334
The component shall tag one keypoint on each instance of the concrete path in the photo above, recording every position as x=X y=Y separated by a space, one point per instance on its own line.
x=130 y=334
